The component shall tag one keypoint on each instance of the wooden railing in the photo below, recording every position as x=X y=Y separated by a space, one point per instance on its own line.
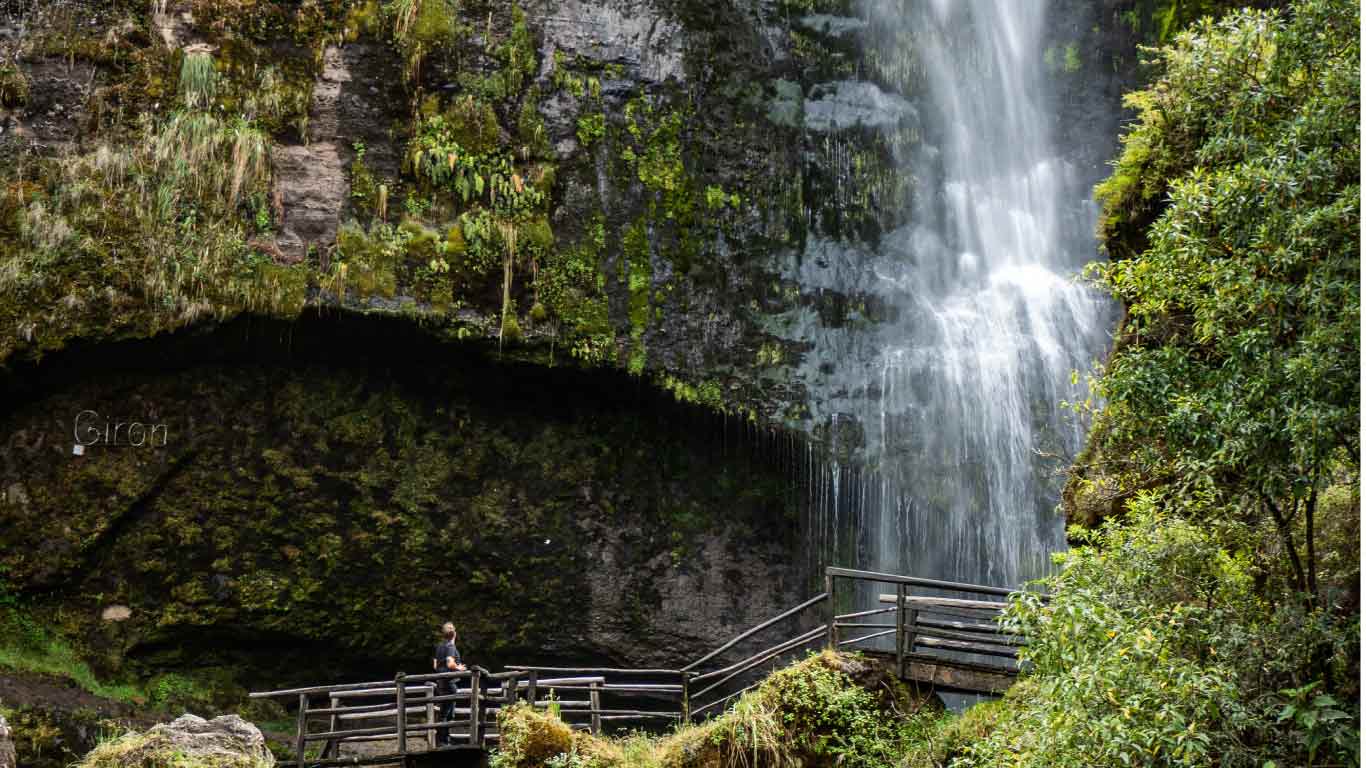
x=943 y=628
x=603 y=694
x=399 y=700
x=939 y=630
x=409 y=709
x=716 y=680
x=927 y=622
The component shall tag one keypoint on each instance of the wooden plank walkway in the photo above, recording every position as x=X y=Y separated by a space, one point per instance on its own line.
x=946 y=642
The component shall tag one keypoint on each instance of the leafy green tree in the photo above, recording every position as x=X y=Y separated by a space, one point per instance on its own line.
x=1232 y=217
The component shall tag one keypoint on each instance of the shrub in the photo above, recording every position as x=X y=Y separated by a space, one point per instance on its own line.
x=1155 y=648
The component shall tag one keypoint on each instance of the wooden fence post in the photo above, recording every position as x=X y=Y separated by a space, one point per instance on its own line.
x=401 y=714
x=331 y=746
x=531 y=688
x=831 y=637
x=476 y=712
x=300 y=739
x=595 y=702
x=687 y=703
x=431 y=716
x=900 y=630
x=914 y=615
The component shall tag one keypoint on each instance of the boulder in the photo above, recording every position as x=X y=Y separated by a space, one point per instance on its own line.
x=189 y=741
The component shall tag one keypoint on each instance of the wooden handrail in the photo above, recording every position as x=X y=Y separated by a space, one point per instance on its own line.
x=965 y=626
x=955 y=645
x=855 y=640
x=750 y=632
x=617 y=688
x=739 y=664
x=558 y=682
x=918 y=581
x=319 y=689
x=728 y=697
x=871 y=625
x=596 y=670
x=434 y=676
x=349 y=694
x=861 y=614
x=364 y=713
x=930 y=603
x=1015 y=641
x=760 y=658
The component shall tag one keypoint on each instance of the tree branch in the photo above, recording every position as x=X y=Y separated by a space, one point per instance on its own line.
x=1287 y=540
x=1311 y=566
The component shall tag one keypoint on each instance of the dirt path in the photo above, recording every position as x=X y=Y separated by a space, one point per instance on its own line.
x=21 y=689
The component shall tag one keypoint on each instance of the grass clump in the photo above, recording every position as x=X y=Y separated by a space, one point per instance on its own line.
x=829 y=710
x=531 y=738
x=14 y=88
x=198 y=79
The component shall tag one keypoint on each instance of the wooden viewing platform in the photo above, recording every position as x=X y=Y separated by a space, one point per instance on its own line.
x=944 y=643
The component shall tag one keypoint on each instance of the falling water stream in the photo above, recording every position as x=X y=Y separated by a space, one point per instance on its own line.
x=954 y=398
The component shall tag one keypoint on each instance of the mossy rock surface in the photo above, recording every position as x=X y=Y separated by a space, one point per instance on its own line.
x=343 y=96
x=317 y=510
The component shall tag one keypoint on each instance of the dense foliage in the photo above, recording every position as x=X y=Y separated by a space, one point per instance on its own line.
x=1217 y=622
x=1157 y=649
x=1239 y=365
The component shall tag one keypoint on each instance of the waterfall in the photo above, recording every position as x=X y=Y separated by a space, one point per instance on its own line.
x=953 y=396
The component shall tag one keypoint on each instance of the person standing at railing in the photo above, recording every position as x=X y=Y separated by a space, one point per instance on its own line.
x=446 y=658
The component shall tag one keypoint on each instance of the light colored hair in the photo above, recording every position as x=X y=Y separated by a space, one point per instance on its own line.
x=448 y=629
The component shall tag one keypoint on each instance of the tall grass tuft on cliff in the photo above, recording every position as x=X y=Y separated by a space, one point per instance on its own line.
x=198 y=79
x=163 y=224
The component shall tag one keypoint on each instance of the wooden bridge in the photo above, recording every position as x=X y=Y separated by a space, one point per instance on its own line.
x=941 y=642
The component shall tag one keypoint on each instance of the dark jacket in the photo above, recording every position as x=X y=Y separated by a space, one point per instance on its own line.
x=444 y=650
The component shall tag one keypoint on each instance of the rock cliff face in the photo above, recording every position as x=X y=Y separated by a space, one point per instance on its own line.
x=595 y=185
x=597 y=179
x=456 y=251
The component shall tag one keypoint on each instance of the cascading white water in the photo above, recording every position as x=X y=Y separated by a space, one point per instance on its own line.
x=957 y=397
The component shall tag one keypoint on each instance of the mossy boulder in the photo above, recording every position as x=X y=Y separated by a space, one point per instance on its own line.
x=187 y=742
